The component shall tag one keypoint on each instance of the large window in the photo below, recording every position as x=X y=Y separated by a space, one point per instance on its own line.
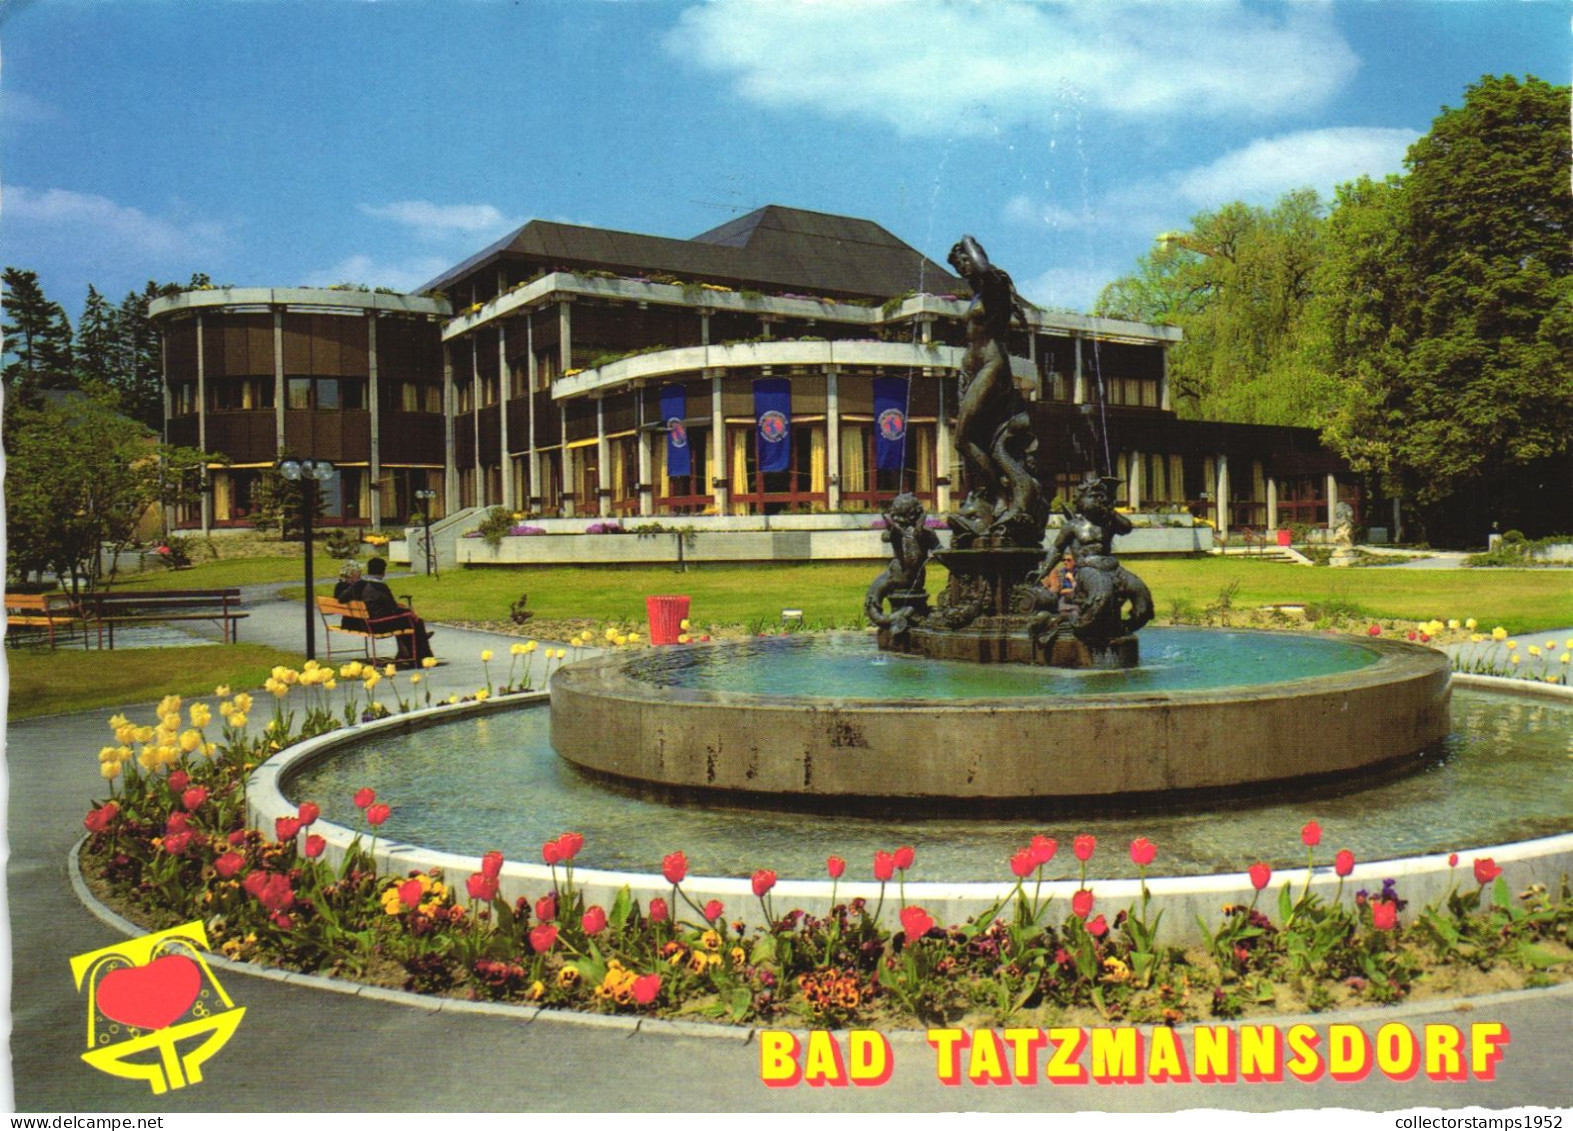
x=240 y=394
x=411 y=396
x=398 y=488
x=325 y=394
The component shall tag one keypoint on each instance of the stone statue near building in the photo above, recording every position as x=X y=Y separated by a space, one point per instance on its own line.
x=1103 y=586
x=1344 y=553
x=994 y=435
x=902 y=580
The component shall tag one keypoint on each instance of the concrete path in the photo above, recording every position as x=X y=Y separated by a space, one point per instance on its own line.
x=301 y=1049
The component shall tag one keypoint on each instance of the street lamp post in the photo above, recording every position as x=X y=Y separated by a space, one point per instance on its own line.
x=308 y=473
x=426 y=496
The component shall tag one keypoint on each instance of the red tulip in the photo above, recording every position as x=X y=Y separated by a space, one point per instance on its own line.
x=659 y=912
x=254 y=883
x=1486 y=870
x=903 y=857
x=1022 y=864
x=193 y=798
x=97 y=820
x=176 y=843
x=286 y=827
x=1043 y=849
x=569 y=845
x=542 y=938
x=836 y=867
x=309 y=812
x=1082 y=846
x=1452 y=859
x=1311 y=835
x=237 y=837
x=1425 y=638
x=378 y=813
x=1384 y=915
x=365 y=797
x=1143 y=852
x=884 y=866
x=1260 y=875
x=1410 y=634
x=481 y=886
x=283 y=922
x=276 y=894
x=646 y=987
x=410 y=893
x=491 y=864
x=1097 y=927
x=1374 y=630
x=916 y=922
x=228 y=864
x=1344 y=862
x=1081 y=904
x=714 y=910
x=594 y=921
x=546 y=908
x=176 y=822
x=675 y=868
x=551 y=853
x=178 y=781
x=764 y=880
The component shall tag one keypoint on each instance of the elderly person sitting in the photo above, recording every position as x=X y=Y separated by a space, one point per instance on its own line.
x=347 y=589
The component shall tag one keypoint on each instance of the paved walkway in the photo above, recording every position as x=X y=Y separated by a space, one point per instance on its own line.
x=301 y=1049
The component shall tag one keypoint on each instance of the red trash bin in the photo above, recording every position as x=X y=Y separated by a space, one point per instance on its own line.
x=1283 y=537
x=667 y=615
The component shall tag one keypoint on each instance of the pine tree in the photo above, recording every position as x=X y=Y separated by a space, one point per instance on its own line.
x=98 y=347
x=37 y=339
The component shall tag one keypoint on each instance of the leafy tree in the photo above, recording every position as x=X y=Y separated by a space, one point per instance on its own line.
x=81 y=478
x=1447 y=302
x=37 y=339
x=1238 y=283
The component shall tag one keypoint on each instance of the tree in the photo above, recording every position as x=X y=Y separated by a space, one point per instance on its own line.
x=98 y=345
x=1238 y=284
x=139 y=377
x=37 y=339
x=80 y=479
x=1446 y=301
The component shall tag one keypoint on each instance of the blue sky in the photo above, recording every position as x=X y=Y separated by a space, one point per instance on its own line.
x=277 y=143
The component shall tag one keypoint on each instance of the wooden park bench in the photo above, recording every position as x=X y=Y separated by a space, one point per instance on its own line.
x=44 y=612
x=392 y=627
x=159 y=606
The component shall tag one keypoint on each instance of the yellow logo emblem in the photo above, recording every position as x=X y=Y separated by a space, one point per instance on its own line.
x=150 y=998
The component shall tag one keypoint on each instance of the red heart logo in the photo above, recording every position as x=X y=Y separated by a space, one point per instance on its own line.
x=151 y=996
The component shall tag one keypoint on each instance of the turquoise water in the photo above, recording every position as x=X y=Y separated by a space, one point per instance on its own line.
x=495 y=782
x=847 y=666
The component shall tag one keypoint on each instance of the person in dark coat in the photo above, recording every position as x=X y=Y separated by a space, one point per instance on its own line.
x=380 y=604
x=349 y=581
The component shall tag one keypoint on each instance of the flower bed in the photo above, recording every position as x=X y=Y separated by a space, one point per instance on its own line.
x=170 y=845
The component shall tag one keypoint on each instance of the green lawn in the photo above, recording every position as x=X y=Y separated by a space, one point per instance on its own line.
x=226 y=573
x=831 y=593
x=47 y=683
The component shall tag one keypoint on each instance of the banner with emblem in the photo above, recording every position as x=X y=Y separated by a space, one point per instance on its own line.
x=674 y=409
x=890 y=423
x=773 y=417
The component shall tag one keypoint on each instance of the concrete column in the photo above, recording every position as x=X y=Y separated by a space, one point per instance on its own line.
x=942 y=451
x=202 y=427
x=570 y=480
x=704 y=327
x=1032 y=356
x=718 y=461
x=1133 y=467
x=504 y=380
x=1163 y=383
x=1079 y=386
x=531 y=375
x=1332 y=500
x=475 y=421
x=374 y=404
x=564 y=335
x=450 y=468
x=1221 y=497
x=646 y=447
x=278 y=378
x=1272 y=503
x=603 y=461
x=832 y=438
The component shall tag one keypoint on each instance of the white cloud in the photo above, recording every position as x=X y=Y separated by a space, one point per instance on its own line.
x=1074 y=288
x=943 y=66
x=1269 y=167
x=444 y=221
x=404 y=275
x=84 y=220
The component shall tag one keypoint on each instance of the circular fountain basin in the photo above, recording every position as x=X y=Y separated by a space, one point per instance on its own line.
x=829 y=722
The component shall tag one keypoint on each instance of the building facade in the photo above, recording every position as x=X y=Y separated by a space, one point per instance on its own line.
x=786 y=362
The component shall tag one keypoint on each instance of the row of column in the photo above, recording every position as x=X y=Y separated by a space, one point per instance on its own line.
x=1221 y=497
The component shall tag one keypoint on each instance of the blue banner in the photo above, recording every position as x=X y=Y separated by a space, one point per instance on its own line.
x=890 y=423
x=773 y=414
x=674 y=409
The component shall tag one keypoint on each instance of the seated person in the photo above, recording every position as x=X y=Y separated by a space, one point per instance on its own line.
x=349 y=579
x=380 y=605
x=1062 y=583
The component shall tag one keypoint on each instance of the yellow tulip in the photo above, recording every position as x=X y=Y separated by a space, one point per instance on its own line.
x=190 y=740
x=201 y=714
x=1453 y=624
x=1499 y=633
x=1551 y=645
x=684 y=625
x=109 y=771
x=221 y=690
x=429 y=662
x=1565 y=657
x=243 y=702
x=1533 y=651
x=530 y=647
x=237 y=720
x=516 y=649
x=1513 y=660
x=169 y=704
x=1511 y=644
x=486 y=655
x=415 y=677
x=482 y=695
x=1471 y=624
x=117 y=721
x=390 y=670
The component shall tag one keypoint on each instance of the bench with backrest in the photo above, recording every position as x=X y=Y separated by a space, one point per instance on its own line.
x=343 y=617
x=159 y=606
x=45 y=612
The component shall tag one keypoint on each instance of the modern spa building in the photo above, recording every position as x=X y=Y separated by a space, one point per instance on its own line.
x=785 y=362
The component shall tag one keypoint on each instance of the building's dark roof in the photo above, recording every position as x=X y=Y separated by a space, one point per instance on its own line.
x=773 y=247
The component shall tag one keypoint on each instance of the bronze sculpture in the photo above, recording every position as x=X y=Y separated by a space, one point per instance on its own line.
x=902 y=581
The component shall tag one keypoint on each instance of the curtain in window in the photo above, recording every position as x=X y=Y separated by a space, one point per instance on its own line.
x=817 y=459
x=922 y=436
x=854 y=459
x=223 y=497
x=739 y=463
x=1176 y=479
